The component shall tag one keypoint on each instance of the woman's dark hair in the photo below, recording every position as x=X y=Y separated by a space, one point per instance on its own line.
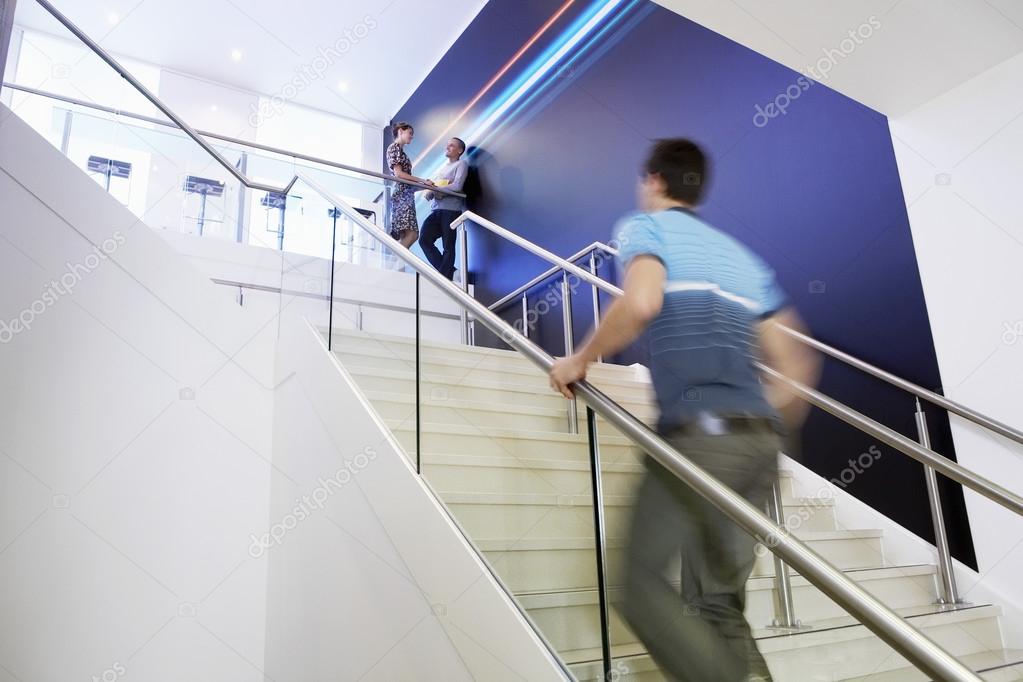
x=682 y=165
x=400 y=126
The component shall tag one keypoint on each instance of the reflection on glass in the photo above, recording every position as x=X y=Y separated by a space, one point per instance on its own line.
x=171 y=183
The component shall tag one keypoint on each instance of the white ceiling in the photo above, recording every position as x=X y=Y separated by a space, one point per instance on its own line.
x=403 y=40
x=923 y=48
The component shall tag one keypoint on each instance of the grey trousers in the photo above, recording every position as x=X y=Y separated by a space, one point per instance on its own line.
x=701 y=633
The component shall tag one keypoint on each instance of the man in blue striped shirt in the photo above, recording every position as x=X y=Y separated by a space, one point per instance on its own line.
x=712 y=307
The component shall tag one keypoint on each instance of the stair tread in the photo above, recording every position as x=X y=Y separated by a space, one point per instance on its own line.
x=497 y=432
x=514 y=365
x=588 y=595
x=532 y=388
x=981 y=662
x=375 y=396
x=768 y=639
x=540 y=544
x=462 y=349
x=552 y=498
x=439 y=458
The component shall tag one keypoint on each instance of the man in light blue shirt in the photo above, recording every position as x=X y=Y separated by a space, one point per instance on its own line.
x=712 y=308
x=445 y=209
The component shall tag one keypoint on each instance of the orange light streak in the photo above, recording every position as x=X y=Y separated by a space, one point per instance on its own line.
x=493 y=81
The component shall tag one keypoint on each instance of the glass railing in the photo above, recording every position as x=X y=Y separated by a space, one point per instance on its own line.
x=172 y=184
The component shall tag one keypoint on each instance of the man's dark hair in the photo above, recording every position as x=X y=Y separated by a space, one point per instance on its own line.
x=461 y=142
x=682 y=165
x=400 y=126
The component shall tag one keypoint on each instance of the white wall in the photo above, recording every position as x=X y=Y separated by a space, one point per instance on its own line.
x=959 y=158
x=135 y=441
x=136 y=446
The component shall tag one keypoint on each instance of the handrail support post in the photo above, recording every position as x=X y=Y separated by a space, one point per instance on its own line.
x=566 y=316
x=948 y=592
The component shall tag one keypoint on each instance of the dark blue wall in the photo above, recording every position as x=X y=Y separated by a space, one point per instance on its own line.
x=816 y=192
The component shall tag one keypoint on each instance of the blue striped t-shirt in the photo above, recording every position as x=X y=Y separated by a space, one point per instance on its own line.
x=704 y=341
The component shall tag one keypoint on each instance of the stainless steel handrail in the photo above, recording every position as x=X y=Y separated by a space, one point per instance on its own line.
x=911 y=643
x=930 y=396
x=336 y=299
x=546 y=274
x=953 y=470
x=907 y=446
x=953 y=406
x=230 y=140
x=885 y=623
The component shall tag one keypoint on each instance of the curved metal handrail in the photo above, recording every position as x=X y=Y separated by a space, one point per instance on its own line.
x=546 y=274
x=968 y=413
x=908 y=641
x=953 y=470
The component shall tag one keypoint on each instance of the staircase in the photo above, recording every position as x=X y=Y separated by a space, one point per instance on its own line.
x=496 y=451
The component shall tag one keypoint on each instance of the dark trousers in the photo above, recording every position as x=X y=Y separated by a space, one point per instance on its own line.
x=701 y=633
x=438 y=226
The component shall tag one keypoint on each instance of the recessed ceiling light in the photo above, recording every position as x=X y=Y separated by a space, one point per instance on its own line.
x=343 y=86
x=214 y=107
x=113 y=17
x=236 y=55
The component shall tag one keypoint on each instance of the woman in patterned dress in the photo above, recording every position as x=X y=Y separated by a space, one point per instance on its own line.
x=404 y=224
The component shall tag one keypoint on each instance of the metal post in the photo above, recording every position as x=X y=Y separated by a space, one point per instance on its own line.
x=599 y=540
x=202 y=212
x=330 y=302
x=566 y=315
x=65 y=139
x=596 y=296
x=525 y=315
x=463 y=264
x=419 y=423
x=948 y=592
x=281 y=222
x=784 y=608
x=6 y=30
x=242 y=233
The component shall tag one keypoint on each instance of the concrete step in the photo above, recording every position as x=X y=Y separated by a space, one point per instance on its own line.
x=539 y=474
x=839 y=649
x=403 y=348
x=440 y=388
x=456 y=373
x=456 y=377
x=552 y=513
x=1001 y=665
x=570 y=619
x=441 y=410
x=510 y=443
x=553 y=564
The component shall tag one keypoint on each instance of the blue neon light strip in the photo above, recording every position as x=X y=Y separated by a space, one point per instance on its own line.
x=541 y=66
